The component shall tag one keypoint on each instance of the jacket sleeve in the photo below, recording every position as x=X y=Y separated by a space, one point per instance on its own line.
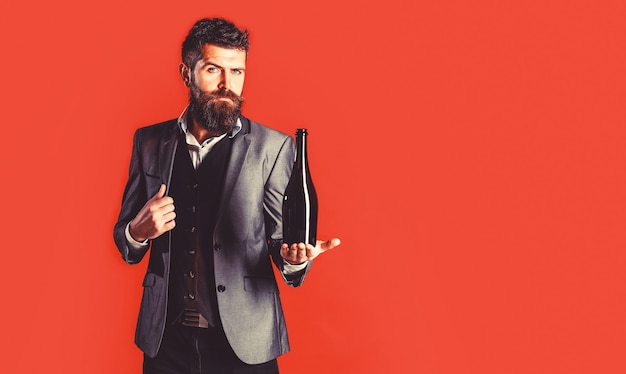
x=132 y=201
x=273 y=206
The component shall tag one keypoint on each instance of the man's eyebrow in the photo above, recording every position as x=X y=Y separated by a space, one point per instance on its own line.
x=212 y=63
x=219 y=66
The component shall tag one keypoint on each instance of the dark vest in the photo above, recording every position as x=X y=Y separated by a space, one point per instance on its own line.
x=196 y=195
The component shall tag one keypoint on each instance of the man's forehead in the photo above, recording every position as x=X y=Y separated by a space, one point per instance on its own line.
x=213 y=51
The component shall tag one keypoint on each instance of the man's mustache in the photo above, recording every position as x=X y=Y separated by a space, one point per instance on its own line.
x=224 y=92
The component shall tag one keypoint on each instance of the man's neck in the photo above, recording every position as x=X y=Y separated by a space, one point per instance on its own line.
x=200 y=132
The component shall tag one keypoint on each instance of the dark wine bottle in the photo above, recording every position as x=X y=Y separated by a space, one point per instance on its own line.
x=300 y=199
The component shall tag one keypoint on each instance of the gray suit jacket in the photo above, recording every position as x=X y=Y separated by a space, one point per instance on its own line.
x=249 y=218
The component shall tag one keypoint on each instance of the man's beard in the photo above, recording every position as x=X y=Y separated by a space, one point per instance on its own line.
x=216 y=115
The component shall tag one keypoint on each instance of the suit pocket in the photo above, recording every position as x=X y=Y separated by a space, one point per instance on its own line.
x=259 y=284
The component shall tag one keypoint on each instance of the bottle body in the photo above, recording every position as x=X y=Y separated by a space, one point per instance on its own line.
x=300 y=199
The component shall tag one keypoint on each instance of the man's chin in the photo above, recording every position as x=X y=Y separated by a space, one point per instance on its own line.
x=221 y=125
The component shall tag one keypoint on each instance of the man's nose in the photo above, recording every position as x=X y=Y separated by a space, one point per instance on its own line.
x=225 y=80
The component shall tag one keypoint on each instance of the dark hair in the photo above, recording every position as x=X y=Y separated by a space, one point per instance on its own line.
x=216 y=31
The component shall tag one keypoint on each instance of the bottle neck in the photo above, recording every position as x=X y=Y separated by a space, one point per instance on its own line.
x=301 y=153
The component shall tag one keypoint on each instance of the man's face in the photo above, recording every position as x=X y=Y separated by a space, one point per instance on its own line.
x=220 y=67
x=216 y=84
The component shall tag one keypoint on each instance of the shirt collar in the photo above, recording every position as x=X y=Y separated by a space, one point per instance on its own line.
x=191 y=140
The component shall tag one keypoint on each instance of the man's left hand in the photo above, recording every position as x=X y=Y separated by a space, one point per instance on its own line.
x=299 y=253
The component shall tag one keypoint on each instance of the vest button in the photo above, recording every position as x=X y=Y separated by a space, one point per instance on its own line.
x=191 y=296
x=192 y=274
x=217 y=247
x=193 y=229
x=221 y=288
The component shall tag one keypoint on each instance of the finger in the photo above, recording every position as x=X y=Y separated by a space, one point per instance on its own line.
x=299 y=256
x=310 y=251
x=299 y=251
x=304 y=252
x=169 y=225
x=284 y=251
x=293 y=253
x=165 y=203
x=169 y=216
x=329 y=244
x=161 y=207
x=160 y=193
x=294 y=247
x=168 y=205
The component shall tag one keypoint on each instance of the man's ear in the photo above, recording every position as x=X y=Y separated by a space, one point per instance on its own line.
x=185 y=74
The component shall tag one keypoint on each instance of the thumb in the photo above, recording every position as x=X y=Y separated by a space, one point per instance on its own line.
x=330 y=244
x=160 y=193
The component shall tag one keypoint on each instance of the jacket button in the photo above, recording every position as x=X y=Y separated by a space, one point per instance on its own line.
x=191 y=296
x=221 y=288
x=192 y=274
x=217 y=247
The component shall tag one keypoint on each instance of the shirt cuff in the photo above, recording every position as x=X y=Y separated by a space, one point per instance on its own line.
x=132 y=243
x=292 y=269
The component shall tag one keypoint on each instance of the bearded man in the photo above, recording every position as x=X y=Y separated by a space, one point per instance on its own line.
x=204 y=195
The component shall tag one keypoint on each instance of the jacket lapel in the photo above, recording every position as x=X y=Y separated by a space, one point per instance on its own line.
x=239 y=151
x=167 y=150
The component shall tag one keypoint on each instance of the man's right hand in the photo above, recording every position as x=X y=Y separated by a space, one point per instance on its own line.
x=155 y=218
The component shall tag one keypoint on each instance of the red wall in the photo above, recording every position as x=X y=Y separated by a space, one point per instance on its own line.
x=470 y=155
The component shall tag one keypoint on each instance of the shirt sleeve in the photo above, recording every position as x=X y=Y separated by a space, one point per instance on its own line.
x=292 y=269
x=132 y=243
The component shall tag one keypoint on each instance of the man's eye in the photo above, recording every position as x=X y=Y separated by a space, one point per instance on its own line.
x=237 y=71
x=212 y=69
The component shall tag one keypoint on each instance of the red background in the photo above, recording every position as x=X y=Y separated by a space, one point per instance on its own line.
x=470 y=155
